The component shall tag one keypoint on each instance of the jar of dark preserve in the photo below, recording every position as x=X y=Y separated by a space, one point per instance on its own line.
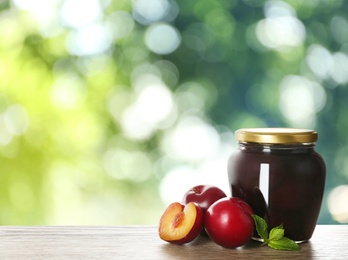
x=280 y=175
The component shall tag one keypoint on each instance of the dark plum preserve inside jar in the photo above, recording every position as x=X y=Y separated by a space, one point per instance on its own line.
x=280 y=175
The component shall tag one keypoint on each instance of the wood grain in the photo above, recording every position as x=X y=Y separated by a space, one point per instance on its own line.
x=142 y=242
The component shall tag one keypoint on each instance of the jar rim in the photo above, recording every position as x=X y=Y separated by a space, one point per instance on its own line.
x=276 y=135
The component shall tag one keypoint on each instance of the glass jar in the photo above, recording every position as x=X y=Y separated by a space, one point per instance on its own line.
x=280 y=175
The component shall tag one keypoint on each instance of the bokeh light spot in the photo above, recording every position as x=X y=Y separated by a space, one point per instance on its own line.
x=280 y=32
x=150 y=11
x=300 y=100
x=169 y=72
x=192 y=139
x=339 y=71
x=68 y=91
x=276 y=8
x=339 y=29
x=162 y=38
x=152 y=109
x=76 y=14
x=121 y=24
x=147 y=12
x=89 y=40
x=5 y=134
x=191 y=96
x=319 y=60
x=129 y=165
x=16 y=119
x=281 y=28
x=337 y=203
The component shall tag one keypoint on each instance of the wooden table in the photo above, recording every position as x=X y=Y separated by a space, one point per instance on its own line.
x=142 y=242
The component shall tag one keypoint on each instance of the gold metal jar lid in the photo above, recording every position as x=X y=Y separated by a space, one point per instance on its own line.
x=276 y=135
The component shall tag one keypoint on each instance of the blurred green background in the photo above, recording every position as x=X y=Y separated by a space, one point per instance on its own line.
x=111 y=109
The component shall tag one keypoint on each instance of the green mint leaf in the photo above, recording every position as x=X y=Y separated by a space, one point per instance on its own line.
x=275 y=239
x=284 y=244
x=261 y=227
x=276 y=233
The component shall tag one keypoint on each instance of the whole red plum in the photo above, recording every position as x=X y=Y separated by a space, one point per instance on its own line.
x=229 y=223
x=203 y=195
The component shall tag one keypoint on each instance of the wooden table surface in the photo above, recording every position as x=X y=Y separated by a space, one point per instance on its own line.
x=142 y=242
